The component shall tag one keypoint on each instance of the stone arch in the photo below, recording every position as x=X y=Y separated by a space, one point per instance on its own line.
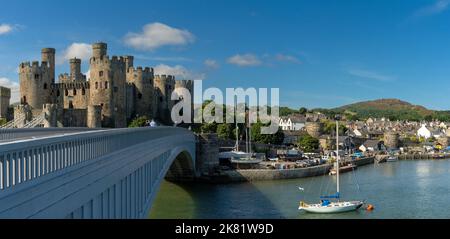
x=182 y=168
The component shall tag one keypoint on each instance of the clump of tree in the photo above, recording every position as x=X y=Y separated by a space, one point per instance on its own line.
x=138 y=122
x=302 y=110
x=330 y=128
x=256 y=135
x=3 y=121
x=308 y=144
x=226 y=131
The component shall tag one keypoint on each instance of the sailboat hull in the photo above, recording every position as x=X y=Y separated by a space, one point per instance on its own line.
x=335 y=207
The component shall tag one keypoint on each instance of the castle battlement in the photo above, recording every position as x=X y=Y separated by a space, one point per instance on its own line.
x=120 y=91
x=114 y=60
x=141 y=70
x=166 y=78
x=35 y=65
x=70 y=85
x=63 y=78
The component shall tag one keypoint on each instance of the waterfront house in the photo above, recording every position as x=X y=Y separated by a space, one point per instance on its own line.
x=372 y=145
x=424 y=132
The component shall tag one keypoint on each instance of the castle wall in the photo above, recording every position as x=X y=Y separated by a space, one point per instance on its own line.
x=71 y=95
x=163 y=87
x=142 y=80
x=94 y=116
x=75 y=118
x=5 y=96
x=130 y=93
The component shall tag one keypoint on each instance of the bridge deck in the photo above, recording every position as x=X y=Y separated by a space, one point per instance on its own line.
x=109 y=173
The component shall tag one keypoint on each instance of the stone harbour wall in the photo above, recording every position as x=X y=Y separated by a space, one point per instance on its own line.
x=274 y=174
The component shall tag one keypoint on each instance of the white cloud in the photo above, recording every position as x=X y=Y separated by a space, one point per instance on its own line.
x=5 y=29
x=210 y=63
x=155 y=35
x=287 y=58
x=88 y=75
x=180 y=72
x=370 y=75
x=14 y=86
x=438 y=7
x=244 y=60
x=81 y=51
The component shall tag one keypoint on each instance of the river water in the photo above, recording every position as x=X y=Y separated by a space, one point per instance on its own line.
x=403 y=189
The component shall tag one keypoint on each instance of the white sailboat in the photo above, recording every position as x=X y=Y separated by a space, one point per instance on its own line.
x=237 y=156
x=326 y=206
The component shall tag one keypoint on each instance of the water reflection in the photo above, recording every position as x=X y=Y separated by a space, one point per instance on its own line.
x=404 y=189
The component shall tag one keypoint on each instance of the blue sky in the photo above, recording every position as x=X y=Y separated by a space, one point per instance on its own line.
x=319 y=53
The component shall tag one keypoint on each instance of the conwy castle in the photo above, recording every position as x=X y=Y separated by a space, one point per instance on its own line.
x=115 y=93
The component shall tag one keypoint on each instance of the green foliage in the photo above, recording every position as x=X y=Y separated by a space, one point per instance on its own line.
x=209 y=128
x=285 y=111
x=302 y=110
x=308 y=143
x=256 y=135
x=3 y=121
x=393 y=109
x=225 y=131
x=138 y=122
x=330 y=128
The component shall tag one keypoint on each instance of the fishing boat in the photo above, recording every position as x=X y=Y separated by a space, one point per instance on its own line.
x=326 y=205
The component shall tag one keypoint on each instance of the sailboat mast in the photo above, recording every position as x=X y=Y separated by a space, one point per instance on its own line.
x=237 y=128
x=249 y=136
x=337 y=156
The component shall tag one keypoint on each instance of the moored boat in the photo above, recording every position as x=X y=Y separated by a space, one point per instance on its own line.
x=344 y=169
x=326 y=206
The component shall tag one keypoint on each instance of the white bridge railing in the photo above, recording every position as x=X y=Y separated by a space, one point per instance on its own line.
x=101 y=174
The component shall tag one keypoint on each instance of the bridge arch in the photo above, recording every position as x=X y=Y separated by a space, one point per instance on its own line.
x=101 y=174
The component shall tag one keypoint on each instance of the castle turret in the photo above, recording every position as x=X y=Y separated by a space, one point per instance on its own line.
x=391 y=139
x=48 y=55
x=35 y=84
x=129 y=61
x=75 y=70
x=99 y=50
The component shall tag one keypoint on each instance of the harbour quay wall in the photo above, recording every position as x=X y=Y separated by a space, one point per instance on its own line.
x=248 y=175
x=423 y=156
x=364 y=161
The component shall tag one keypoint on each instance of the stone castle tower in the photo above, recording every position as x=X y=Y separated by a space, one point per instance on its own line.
x=5 y=96
x=36 y=80
x=115 y=93
x=164 y=86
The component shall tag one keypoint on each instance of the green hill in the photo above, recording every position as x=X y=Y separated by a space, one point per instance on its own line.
x=393 y=109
